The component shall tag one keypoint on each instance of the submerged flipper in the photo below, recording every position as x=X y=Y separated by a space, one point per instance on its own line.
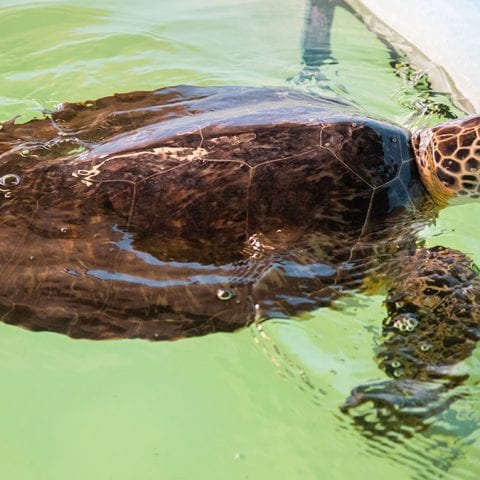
x=317 y=49
x=434 y=316
x=416 y=93
x=433 y=324
x=316 y=42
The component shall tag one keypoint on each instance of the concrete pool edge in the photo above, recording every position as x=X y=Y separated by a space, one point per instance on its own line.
x=385 y=20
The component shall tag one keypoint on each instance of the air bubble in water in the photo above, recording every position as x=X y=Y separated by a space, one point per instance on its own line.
x=9 y=180
x=425 y=347
x=405 y=322
x=224 y=294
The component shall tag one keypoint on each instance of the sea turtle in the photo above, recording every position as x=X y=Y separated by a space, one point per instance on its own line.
x=191 y=210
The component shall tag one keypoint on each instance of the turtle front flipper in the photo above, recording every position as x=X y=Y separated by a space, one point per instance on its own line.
x=317 y=50
x=316 y=40
x=433 y=324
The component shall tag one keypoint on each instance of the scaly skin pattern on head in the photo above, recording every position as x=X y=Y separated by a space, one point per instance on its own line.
x=448 y=159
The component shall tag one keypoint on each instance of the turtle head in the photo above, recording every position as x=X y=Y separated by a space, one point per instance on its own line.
x=448 y=158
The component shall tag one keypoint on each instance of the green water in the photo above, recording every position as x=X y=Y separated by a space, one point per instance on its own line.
x=256 y=405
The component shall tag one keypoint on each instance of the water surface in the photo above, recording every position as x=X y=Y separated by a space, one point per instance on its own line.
x=246 y=405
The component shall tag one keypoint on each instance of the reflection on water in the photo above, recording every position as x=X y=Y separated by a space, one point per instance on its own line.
x=442 y=445
x=157 y=401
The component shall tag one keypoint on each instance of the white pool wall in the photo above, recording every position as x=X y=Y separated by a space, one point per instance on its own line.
x=446 y=31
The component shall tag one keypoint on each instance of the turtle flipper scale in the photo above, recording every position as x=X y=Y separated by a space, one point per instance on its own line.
x=433 y=324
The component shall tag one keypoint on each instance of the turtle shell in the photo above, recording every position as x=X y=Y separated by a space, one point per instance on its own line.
x=190 y=210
